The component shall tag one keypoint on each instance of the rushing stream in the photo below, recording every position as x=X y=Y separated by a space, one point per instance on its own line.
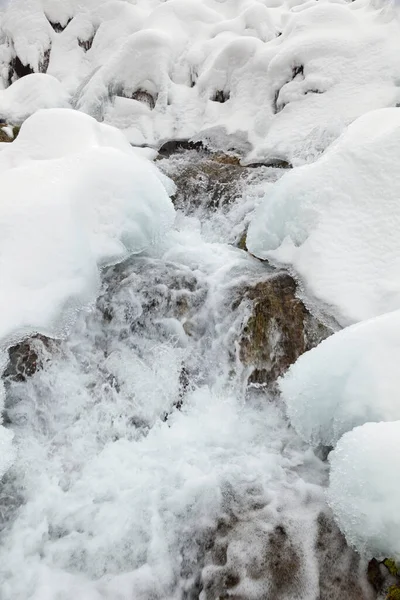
x=147 y=469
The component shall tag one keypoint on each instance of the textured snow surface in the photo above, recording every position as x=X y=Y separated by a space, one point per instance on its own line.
x=31 y=93
x=350 y=379
x=75 y=197
x=289 y=75
x=364 y=488
x=337 y=221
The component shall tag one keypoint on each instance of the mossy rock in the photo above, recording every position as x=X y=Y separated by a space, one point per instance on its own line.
x=393 y=593
x=392 y=567
x=4 y=137
x=242 y=243
x=279 y=329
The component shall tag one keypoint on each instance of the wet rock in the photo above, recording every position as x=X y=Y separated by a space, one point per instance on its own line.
x=86 y=44
x=145 y=98
x=205 y=180
x=384 y=577
x=279 y=329
x=19 y=69
x=27 y=357
x=342 y=572
x=209 y=180
x=276 y=163
x=8 y=133
x=173 y=146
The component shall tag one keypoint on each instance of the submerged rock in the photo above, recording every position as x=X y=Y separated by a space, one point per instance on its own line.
x=27 y=357
x=208 y=180
x=278 y=330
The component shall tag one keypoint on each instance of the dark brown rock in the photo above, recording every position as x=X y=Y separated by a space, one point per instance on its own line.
x=342 y=572
x=279 y=329
x=27 y=357
x=4 y=137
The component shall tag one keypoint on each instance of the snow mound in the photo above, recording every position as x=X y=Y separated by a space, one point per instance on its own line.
x=75 y=197
x=290 y=75
x=364 y=488
x=29 y=94
x=337 y=221
x=350 y=379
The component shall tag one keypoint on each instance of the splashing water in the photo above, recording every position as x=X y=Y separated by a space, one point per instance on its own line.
x=145 y=469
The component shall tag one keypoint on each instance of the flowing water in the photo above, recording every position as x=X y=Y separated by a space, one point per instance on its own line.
x=147 y=469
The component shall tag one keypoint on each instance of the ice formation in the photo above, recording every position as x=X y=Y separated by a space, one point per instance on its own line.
x=75 y=197
x=336 y=221
x=364 y=488
x=350 y=379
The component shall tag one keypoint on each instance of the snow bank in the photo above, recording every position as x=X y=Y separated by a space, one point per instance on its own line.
x=337 y=221
x=290 y=76
x=29 y=94
x=364 y=488
x=75 y=197
x=349 y=379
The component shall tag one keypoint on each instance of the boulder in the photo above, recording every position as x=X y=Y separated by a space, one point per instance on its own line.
x=279 y=329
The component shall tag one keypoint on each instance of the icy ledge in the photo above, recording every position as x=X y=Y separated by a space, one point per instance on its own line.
x=75 y=197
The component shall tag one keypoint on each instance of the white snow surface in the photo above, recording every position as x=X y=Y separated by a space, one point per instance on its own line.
x=364 y=490
x=75 y=197
x=289 y=74
x=350 y=379
x=336 y=221
x=29 y=94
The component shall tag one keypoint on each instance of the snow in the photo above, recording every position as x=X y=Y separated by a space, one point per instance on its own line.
x=291 y=76
x=75 y=198
x=364 y=489
x=350 y=379
x=29 y=94
x=330 y=221
x=136 y=441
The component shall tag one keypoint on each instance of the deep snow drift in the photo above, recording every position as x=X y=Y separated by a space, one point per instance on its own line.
x=290 y=75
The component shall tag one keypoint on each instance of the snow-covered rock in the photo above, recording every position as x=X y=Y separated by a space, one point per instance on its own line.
x=336 y=222
x=350 y=379
x=364 y=488
x=288 y=75
x=75 y=197
x=29 y=94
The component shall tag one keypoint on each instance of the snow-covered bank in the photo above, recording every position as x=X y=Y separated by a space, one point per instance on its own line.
x=289 y=76
x=337 y=221
x=349 y=379
x=75 y=197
